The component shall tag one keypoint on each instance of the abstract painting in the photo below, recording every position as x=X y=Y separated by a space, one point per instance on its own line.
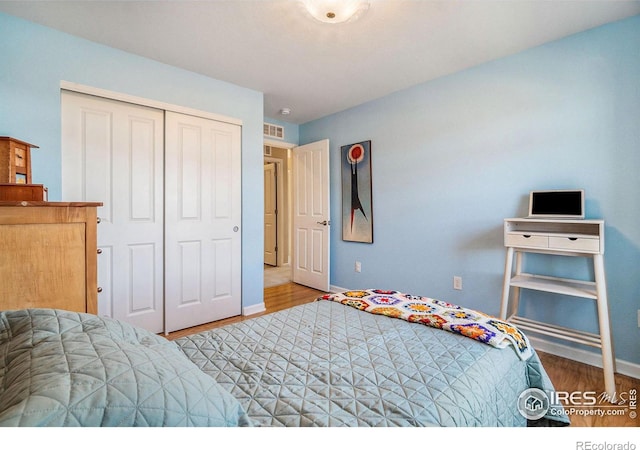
x=357 y=210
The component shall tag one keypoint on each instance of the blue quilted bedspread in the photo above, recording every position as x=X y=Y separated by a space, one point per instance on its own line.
x=327 y=364
x=320 y=364
x=59 y=368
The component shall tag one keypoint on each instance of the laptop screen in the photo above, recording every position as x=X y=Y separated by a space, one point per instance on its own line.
x=559 y=203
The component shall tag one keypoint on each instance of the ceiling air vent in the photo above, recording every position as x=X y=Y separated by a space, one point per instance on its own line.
x=274 y=131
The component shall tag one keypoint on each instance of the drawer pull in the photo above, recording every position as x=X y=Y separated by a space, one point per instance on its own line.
x=526 y=236
x=99 y=289
x=573 y=239
x=99 y=251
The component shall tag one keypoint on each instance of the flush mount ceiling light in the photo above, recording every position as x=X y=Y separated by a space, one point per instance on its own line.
x=336 y=11
x=285 y=111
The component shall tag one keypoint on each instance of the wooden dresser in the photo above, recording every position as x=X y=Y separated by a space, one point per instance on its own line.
x=48 y=255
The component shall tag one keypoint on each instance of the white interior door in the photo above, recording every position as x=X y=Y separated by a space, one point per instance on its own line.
x=112 y=152
x=270 y=215
x=202 y=221
x=311 y=219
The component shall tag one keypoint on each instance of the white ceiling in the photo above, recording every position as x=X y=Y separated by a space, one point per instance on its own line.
x=314 y=68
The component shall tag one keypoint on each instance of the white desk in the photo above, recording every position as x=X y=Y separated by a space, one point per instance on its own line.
x=567 y=238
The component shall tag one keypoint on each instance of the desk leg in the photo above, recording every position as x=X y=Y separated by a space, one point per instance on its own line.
x=508 y=263
x=608 y=361
x=516 y=290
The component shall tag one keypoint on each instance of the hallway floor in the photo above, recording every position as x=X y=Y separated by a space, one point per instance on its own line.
x=275 y=276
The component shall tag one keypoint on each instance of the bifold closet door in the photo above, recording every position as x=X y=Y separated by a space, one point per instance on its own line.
x=169 y=234
x=202 y=221
x=112 y=152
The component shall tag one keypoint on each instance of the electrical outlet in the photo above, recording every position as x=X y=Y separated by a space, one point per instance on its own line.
x=358 y=267
x=457 y=283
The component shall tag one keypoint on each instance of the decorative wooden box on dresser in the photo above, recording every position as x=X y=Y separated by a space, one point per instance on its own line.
x=15 y=160
x=48 y=256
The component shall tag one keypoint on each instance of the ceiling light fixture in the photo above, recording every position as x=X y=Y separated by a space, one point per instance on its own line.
x=285 y=111
x=336 y=11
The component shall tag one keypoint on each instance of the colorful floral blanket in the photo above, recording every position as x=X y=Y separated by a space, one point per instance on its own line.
x=438 y=314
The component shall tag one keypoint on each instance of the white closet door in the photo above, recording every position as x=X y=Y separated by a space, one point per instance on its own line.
x=112 y=152
x=202 y=221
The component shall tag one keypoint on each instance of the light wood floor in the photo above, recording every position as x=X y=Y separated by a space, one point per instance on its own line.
x=572 y=376
x=275 y=299
x=566 y=375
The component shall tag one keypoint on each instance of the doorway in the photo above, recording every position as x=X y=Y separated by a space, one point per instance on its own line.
x=277 y=223
x=303 y=213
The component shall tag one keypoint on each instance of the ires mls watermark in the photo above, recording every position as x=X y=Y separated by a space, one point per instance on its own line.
x=535 y=404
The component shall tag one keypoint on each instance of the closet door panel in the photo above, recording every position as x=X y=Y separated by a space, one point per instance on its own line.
x=141 y=263
x=203 y=217
x=92 y=173
x=189 y=164
x=112 y=152
x=143 y=171
x=223 y=258
x=189 y=271
x=223 y=175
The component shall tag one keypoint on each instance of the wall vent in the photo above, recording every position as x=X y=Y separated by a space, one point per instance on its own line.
x=274 y=131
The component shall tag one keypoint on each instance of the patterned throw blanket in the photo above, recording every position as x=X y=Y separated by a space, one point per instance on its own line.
x=438 y=314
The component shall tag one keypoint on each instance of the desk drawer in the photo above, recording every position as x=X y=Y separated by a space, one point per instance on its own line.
x=526 y=240
x=575 y=244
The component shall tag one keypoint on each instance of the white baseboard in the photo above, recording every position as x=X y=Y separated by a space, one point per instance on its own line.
x=253 y=309
x=336 y=289
x=575 y=354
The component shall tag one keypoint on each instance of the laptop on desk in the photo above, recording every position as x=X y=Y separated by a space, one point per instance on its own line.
x=556 y=204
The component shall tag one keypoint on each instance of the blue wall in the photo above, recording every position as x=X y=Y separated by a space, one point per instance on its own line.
x=33 y=61
x=453 y=157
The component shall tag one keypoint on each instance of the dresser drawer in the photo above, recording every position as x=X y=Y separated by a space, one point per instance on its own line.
x=48 y=256
x=526 y=240
x=18 y=192
x=576 y=244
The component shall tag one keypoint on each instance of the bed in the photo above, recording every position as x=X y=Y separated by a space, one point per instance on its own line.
x=326 y=364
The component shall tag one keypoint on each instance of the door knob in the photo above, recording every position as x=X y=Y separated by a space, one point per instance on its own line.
x=324 y=222
x=235 y=229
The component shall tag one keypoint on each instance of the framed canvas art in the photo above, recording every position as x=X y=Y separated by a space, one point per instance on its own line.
x=357 y=209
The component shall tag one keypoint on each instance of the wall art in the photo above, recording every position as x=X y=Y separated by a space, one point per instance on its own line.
x=357 y=209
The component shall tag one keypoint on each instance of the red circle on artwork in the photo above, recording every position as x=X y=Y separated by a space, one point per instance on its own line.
x=355 y=154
